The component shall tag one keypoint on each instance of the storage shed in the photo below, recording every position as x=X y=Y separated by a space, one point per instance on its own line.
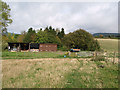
x=13 y=47
x=33 y=47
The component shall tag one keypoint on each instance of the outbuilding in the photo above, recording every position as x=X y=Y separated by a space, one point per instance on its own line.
x=33 y=47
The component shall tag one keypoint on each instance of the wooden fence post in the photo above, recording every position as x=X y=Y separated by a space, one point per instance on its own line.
x=114 y=55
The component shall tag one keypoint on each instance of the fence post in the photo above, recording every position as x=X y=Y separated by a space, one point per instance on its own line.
x=114 y=55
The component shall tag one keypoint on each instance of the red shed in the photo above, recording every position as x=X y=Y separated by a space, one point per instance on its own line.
x=48 y=47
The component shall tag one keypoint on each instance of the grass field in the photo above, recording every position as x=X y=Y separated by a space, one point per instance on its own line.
x=52 y=70
x=59 y=73
x=109 y=44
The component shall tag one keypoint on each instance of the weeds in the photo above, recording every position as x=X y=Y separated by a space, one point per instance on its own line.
x=98 y=58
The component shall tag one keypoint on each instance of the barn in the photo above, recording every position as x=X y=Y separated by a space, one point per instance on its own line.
x=32 y=47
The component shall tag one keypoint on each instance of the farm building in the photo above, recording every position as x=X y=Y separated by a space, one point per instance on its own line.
x=33 y=47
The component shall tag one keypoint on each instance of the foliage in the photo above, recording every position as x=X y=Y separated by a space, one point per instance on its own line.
x=61 y=34
x=47 y=37
x=107 y=35
x=21 y=37
x=63 y=48
x=41 y=37
x=5 y=13
x=12 y=37
x=30 y=36
x=82 y=40
x=4 y=43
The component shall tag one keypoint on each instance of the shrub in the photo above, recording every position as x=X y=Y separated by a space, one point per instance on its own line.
x=82 y=40
x=63 y=48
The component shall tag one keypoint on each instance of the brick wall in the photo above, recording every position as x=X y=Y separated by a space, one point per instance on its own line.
x=48 y=47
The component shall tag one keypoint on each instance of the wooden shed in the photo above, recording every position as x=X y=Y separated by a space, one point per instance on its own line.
x=34 y=47
x=13 y=47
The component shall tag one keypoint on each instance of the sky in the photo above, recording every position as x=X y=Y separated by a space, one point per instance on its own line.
x=94 y=17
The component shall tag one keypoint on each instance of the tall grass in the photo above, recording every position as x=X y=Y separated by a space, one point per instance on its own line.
x=109 y=44
x=59 y=73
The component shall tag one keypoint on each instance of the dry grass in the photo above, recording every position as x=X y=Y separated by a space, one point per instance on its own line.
x=53 y=73
x=109 y=44
x=41 y=71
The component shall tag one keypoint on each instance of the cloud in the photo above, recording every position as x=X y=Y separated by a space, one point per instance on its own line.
x=93 y=17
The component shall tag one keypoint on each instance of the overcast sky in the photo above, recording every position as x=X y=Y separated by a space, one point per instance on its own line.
x=94 y=17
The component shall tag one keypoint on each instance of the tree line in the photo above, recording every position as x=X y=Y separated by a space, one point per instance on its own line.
x=80 y=38
x=47 y=35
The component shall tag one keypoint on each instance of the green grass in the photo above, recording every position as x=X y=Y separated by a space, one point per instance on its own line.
x=31 y=55
x=109 y=44
x=62 y=73
x=97 y=78
x=37 y=55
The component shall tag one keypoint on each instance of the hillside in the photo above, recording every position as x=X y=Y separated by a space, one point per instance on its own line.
x=107 y=34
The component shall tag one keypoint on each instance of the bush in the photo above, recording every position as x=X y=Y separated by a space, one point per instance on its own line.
x=82 y=40
x=63 y=48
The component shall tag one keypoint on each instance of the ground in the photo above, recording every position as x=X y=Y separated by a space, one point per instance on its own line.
x=59 y=73
x=52 y=70
x=109 y=44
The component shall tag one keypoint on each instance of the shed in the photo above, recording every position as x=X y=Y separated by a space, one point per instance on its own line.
x=18 y=47
x=34 y=47
x=48 y=47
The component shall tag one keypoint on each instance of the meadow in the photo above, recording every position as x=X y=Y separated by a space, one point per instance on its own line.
x=109 y=44
x=53 y=70
x=59 y=73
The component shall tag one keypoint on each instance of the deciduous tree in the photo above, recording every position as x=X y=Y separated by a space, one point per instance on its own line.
x=5 y=20
x=82 y=40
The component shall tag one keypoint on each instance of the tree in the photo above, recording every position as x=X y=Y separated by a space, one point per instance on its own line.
x=41 y=37
x=11 y=37
x=57 y=31
x=47 y=37
x=50 y=30
x=61 y=34
x=82 y=40
x=5 y=13
x=30 y=36
x=4 y=42
x=21 y=37
x=41 y=29
x=46 y=29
